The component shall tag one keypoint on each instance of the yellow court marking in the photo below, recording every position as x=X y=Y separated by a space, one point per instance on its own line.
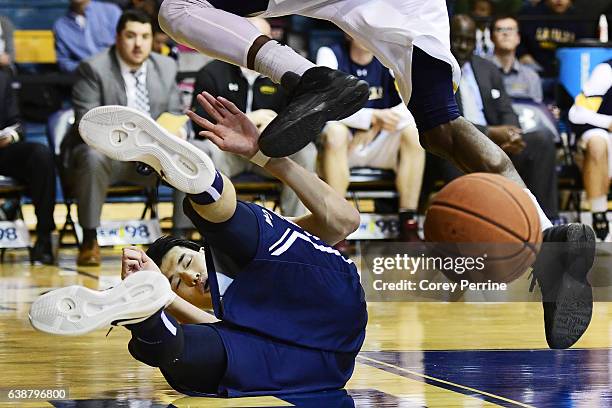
x=411 y=392
x=438 y=380
x=195 y=402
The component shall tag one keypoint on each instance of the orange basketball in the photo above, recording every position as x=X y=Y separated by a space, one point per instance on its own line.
x=495 y=217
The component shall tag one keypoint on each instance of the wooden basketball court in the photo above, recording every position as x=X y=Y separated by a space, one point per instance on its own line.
x=461 y=354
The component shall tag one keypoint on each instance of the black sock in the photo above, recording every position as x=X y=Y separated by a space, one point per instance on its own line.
x=406 y=215
x=89 y=235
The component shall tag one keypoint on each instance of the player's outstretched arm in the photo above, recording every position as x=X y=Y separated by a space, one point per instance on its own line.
x=331 y=217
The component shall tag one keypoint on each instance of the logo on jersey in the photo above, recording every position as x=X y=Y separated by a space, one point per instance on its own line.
x=362 y=72
x=376 y=92
x=233 y=87
x=267 y=89
x=268 y=217
x=291 y=236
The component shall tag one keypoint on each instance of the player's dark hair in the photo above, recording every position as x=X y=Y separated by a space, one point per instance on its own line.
x=162 y=245
x=133 y=15
x=499 y=17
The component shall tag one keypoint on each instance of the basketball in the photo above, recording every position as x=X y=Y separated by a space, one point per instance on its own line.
x=493 y=213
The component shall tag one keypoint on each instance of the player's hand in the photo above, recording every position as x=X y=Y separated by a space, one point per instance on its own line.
x=509 y=138
x=610 y=128
x=386 y=118
x=362 y=138
x=134 y=259
x=233 y=132
x=261 y=118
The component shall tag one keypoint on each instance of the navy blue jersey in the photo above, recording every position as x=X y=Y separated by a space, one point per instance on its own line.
x=294 y=319
x=383 y=91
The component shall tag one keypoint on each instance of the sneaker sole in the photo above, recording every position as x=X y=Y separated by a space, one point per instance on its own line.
x=290 y=132
x=126 y=134
x=574 y=304
x=76 y=310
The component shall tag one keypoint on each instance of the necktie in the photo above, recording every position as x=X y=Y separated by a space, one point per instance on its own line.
x=141 y=94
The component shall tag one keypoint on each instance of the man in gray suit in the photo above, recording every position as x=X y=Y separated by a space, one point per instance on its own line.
x=126 y=74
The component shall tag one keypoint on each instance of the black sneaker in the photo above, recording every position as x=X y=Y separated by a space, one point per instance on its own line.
x=561 y=272
x=321 y=94
x=600 y=225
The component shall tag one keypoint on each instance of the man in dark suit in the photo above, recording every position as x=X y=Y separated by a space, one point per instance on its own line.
x=482 y=99
x=126 y=74
x=30 y=164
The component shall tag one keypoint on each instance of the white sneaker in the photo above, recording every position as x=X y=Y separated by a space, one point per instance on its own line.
x=126 y=134
x=76 y=310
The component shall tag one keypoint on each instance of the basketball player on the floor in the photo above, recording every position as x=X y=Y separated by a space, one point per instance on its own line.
x=292 y=310
x=412 y=38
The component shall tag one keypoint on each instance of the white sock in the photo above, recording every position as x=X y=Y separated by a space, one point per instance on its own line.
x=274 y=60
x=544 y=221
x=599 y=204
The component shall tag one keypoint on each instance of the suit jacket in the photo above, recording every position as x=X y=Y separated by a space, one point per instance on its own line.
x=99 y=82
x=222 y=79
x=9 y=112
x=497 y=105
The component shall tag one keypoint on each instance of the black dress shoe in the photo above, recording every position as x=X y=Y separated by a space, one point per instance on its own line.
x=561 y=269
x=320 y=95
x=42 y=251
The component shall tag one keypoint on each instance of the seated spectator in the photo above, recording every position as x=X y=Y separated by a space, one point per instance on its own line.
x=542 y=36
x=32 y=165
x=151 y=7
x=162 y=44
x=7 y=46
x=260 y=99
x=520 y=80
x=592 y=111
x=381 y=135
x=482 y=10
x=87 y=28
x=482 y=99
x=126 y=74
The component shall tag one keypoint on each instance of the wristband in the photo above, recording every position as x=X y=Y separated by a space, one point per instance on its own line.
x=260 y=159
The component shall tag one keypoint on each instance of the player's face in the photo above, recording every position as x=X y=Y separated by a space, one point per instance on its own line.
x=506 y=35
x=186 y=271
x=134 y=42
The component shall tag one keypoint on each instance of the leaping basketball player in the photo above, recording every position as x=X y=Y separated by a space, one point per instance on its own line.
x=412 y=38
x=290 y=312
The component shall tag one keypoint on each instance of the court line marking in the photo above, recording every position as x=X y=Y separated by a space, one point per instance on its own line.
x=439 y=380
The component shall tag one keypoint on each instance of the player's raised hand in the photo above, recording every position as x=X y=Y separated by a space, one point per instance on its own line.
x=134 y=259
x=233 y=131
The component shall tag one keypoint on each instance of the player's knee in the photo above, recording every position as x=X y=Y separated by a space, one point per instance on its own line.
x=409 y=138
x=171 y=11
x=597 y=149
x=437 y=140
x=335 y=136
x=159 y=353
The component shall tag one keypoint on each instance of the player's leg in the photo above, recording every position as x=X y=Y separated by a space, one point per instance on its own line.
x=595 y=175
x=335 y=167
x=408 y=180
x=319 y=94
x=191 y=357
x=126 y=134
